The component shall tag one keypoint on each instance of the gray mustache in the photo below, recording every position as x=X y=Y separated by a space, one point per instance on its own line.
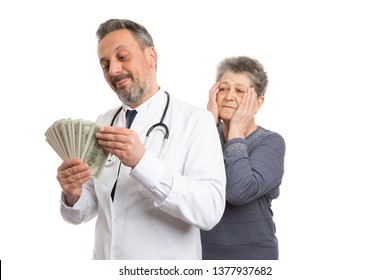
x=117 y=78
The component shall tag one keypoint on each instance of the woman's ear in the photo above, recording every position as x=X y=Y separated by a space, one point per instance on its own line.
x=260 y=101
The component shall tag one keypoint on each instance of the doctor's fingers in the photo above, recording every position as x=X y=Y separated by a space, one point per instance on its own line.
x=128 y=151
x=70 y=168
x=115 y=134
x=74 y=183
x=71 y=185
x=122 y=142
x=73 y=174
x=69 y=163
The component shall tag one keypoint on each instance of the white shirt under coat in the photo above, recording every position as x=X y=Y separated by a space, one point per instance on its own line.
x=161 y=204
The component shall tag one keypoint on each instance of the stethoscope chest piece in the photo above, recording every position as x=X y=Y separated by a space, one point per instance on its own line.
x=111 y=159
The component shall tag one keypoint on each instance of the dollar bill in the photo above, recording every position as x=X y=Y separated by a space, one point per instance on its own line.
x=71 y=138
x=85 y=128
x=94 y=155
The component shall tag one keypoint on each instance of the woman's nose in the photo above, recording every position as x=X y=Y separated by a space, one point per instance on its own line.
x=230 y=95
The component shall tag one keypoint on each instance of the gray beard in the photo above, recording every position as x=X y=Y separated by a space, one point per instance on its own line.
x=136 y=92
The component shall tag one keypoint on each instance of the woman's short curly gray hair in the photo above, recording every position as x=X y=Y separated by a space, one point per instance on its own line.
x=248 y=65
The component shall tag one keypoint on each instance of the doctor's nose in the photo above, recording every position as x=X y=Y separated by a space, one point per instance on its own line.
x=115 y=69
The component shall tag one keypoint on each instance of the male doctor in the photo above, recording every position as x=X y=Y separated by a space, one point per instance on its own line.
x=151 y=198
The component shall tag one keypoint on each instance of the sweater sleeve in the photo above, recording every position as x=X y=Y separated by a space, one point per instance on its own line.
x=255 y=170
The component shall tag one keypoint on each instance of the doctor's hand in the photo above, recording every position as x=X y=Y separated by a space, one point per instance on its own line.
x=212 y=105
x=123 y=143
x=244 y=116
x=71 y=175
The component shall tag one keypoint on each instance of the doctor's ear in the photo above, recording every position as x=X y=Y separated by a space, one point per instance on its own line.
x=152 y=56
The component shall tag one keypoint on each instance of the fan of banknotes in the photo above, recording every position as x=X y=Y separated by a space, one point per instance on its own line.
x=76 y=138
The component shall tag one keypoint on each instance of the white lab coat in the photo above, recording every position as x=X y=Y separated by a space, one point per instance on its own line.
x=162 y=203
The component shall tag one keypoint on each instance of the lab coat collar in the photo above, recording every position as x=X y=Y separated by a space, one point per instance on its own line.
x=156 y=98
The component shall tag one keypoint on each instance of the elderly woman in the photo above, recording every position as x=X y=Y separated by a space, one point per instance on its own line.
x=254 y=162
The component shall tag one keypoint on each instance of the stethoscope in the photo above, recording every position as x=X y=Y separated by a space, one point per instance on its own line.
x=111 y=158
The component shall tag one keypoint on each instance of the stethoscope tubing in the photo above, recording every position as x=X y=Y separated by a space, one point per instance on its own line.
x=111 y=159
x=161 y=123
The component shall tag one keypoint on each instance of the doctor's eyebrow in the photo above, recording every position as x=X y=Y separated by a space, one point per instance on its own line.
x=113 y=51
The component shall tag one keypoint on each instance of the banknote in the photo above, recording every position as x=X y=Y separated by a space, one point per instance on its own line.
x=76 y=138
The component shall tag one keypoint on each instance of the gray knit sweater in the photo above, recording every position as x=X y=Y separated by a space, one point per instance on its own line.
x=254 y=170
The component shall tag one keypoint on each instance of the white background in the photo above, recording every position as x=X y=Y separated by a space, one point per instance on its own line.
x=328 y=66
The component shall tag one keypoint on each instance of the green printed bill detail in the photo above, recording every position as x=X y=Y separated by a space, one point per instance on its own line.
x=76 y=138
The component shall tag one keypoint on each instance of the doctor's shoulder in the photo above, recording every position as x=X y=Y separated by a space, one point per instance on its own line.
x=107 y=117
x=189 y=113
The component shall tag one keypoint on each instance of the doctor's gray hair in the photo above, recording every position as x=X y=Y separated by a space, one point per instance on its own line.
x=140 y=33
x=245 y=65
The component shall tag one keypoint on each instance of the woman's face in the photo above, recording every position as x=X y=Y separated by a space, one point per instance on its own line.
x=231 y=89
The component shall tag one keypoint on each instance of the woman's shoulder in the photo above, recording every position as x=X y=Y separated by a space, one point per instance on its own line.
x=263 y=136
x=269 y=133
x=262 y=132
